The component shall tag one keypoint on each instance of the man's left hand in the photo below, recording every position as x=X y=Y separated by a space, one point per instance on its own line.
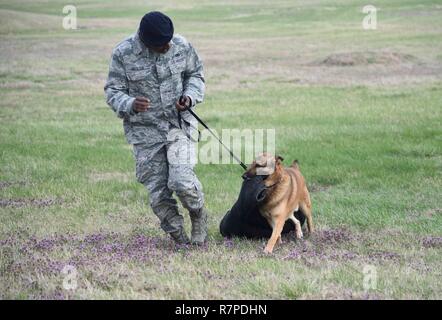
x=183 y=103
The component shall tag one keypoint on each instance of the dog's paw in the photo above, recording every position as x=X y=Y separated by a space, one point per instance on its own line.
x=268 y=251
x=299 y=234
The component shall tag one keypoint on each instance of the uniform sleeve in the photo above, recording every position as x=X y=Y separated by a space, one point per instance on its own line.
x=116 y=88
x=194 y=85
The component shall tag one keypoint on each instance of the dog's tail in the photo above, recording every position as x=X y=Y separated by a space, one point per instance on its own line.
x=295 y=164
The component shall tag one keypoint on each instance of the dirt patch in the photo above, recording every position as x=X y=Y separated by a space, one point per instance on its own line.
x=315 y=254
x=384 y=256
x=432 y=242
x=327 y=244
x=369 y=57
x=25 y=202
x=100 y=249
x=415 y=216
x=7 y=184
x=339 y=245
x=332 y=236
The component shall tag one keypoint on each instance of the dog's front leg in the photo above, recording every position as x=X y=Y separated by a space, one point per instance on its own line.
x=298 y=228
x=277 y=229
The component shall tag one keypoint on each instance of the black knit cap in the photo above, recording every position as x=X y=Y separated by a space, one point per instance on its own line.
x=156 y=29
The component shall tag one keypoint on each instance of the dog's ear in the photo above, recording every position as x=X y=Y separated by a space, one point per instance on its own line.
x=279 y=159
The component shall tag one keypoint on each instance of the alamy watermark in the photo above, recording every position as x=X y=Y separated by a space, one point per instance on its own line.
x=370 y=21
x=70 y=18
x=70 y=278
x=370 y=279
x=245 y=144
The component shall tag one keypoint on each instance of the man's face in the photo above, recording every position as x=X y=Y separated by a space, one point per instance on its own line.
x=162 y=50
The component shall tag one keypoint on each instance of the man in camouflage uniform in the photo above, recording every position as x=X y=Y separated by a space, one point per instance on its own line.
x=149 y=72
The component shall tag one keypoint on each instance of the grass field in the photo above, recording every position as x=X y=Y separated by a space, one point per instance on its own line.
x=360 y=109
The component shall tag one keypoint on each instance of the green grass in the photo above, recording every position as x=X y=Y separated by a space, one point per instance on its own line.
x=370 y=149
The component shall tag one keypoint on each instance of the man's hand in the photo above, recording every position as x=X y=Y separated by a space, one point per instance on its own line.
x=183 y=103
x=141 y=104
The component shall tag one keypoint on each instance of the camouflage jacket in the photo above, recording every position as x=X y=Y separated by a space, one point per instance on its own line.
x=162 y=78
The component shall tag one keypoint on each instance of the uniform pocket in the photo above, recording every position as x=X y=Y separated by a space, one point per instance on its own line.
x=137 y=75
x=140 y=80
x=177 y=64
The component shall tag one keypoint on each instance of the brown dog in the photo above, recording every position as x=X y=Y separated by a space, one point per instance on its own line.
x=286 y=193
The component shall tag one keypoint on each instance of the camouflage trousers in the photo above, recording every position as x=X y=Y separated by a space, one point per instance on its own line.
x=166 y=167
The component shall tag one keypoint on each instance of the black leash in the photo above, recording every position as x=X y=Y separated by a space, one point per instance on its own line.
x=213 y=134
x=189 y=125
